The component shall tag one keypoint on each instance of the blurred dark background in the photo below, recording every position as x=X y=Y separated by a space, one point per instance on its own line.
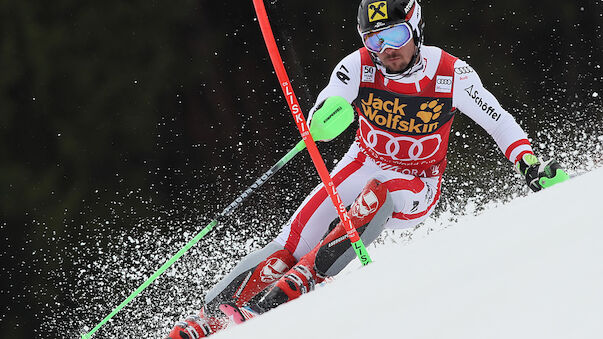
x=115 y=113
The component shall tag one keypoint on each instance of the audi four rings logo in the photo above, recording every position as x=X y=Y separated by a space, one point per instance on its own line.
x=444 y=81
x=400 y=148
x=464 y=70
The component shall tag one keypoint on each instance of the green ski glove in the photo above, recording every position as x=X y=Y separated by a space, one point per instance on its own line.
x=540 y=174
x=331 y=117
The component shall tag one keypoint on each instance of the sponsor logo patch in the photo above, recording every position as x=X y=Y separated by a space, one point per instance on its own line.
x=409 y=6
x=443 y=84
x=463 y=70
x=430 y=111
x=415 y=206
x=391 y=115
x=368 y=74
x=273 y=270
x=343 y=76
x=402 y=128
x=377 y=11
x=367 y=205
x=489 y=110
x=337 y=241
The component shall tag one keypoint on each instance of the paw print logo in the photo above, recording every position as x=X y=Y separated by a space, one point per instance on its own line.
x=430 y=111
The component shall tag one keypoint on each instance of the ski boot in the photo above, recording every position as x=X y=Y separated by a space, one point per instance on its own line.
x=197 y=326
x=299 y=280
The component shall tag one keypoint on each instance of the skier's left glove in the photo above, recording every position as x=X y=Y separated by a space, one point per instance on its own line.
x=540 y=174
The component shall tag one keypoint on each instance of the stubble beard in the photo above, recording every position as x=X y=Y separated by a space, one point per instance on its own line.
x=395 y=66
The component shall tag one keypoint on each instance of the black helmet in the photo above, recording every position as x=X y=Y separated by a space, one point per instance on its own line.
x=377 y=14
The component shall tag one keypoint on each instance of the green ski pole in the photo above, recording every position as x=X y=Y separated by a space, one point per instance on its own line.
x=332 y=119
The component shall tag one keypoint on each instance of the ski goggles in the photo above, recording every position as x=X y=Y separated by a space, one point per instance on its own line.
x=394 y=36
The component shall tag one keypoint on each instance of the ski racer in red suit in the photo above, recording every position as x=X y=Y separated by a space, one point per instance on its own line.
x=406 y=95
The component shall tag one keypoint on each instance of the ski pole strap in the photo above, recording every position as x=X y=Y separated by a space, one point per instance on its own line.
x=300 y=121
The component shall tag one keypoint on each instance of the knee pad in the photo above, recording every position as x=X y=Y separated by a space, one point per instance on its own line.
x=369 y=213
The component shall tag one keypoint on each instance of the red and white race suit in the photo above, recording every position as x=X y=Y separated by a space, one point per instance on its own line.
x=402 y=138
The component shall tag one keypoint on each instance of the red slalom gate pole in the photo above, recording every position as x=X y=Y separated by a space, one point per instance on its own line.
x=300 y=121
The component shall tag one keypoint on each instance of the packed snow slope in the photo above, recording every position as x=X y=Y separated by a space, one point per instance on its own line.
x=530 y=269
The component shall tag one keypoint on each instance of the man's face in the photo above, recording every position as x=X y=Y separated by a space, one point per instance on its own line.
x=396 y=60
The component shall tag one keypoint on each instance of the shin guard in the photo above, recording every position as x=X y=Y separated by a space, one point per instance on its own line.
x=267 y=272
x=369 y=213
x=243 y=283
x=251 y=276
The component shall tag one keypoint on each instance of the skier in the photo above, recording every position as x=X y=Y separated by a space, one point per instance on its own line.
x=406 y=95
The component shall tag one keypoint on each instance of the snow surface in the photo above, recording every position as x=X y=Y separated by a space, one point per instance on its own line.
x=530 y=269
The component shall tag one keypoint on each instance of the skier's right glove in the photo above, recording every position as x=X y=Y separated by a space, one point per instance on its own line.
x=540 y=174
